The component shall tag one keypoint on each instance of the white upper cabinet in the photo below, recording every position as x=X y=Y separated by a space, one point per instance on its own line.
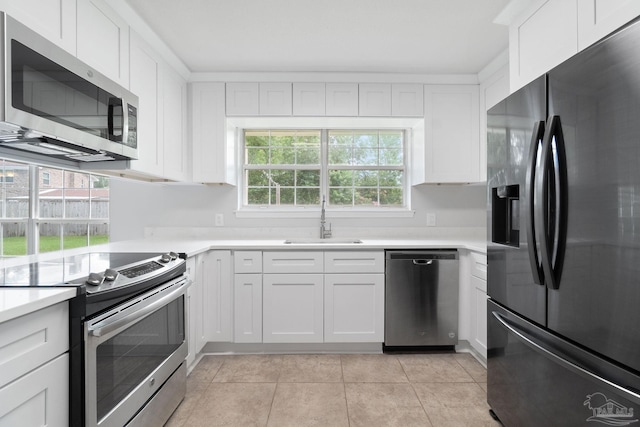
x=407 y=100
x=145 y=83
x=242 y=99
x=275 y=99
x=542 y=38
x=173 y=125
x=53 y=19
x=309 y=99
x=213 y=153
x=597 y=18
x=550 y=31
x=103 y=40
x=342 y=99
x=374 y=99
x=452 y=136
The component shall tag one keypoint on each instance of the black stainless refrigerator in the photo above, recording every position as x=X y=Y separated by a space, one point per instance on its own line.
x=563 y=191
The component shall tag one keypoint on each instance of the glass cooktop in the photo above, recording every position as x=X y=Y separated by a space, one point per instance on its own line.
x=73 y=268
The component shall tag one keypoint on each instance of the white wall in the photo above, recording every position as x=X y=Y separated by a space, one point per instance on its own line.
x=140 y=209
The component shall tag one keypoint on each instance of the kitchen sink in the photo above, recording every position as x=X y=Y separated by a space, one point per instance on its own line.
x=316 y=241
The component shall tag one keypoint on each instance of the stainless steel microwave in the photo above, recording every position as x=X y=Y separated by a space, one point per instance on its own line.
x=56 y=107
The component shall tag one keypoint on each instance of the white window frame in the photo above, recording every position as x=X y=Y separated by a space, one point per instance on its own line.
x=238 y=125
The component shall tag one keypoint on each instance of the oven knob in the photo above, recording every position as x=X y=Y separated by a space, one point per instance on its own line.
x=165 y=258
x=173 y=255
x=95 y=279
x=110 y=274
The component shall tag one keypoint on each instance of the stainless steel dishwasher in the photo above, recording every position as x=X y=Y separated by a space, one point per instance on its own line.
x=421 y=299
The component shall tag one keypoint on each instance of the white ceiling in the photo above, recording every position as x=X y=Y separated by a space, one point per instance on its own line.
x=382 y=36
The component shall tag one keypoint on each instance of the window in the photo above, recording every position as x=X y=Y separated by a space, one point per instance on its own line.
x=295 y=168
x=46 y=178
x=73 y=211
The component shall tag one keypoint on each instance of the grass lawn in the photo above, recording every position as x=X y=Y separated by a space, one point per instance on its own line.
x=15 y=246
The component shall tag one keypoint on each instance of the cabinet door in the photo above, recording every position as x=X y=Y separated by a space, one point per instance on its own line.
x=39 y=398
x=194 y=310
x=452 y=135
x=275 y=99
x=103 y=40
x=374 y=99
x=354 y=308
x=242 y=99
x=479 y=326
x=309 y=99
x=53 y=19
x=292 y=308
x=213 y=155
x=407 y=100
x=597 y=18
x=217 y=282
x=540 y=39
x=173 y=125
x=247 y=308
x=342 y=99
x=145 y=82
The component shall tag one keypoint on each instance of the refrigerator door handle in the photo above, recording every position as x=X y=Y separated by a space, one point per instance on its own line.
x=532 y=166
x=550 y=200
x=530 y=341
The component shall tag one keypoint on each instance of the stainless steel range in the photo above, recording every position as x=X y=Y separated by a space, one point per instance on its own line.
x=127 y=333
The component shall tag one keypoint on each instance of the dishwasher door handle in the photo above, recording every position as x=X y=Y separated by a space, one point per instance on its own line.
x=422 y=261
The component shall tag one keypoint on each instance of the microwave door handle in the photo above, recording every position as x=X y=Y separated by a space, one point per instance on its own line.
x=532 y=166
x=111 y=111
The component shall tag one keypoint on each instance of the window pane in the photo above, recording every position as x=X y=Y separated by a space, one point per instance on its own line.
x=365 y=178
x=257 y=178
x=282 y=177
x=258 y=196
x=50 y=237
x=257 y=156
x=283 y=196
x=75 y=236
x=365 y=157
x=340 y=156
x=391 y=139
x=14 y=239
x=391 y=157
x=366 y=140
x=307 y=196
x=391 y=178
x=366 y=196
x=100 y=195
x=14 y=193
x=98 y=234
x=308 y=178
x=340 y=178
x=341 y=196
x=308 y=155
x=391 y=196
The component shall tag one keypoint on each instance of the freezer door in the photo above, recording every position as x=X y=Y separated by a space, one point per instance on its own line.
x=597 y=96
x=535 y=379
x=514 y=128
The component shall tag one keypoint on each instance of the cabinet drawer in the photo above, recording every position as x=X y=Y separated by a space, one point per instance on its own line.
x=354 y=262
x=479 y=265
x=292 y=262
x=33 y=339
x=247 y=262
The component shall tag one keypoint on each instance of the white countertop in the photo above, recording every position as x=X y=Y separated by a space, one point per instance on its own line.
x=16 y=302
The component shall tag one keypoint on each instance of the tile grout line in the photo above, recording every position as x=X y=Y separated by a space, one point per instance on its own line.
x=344 y=388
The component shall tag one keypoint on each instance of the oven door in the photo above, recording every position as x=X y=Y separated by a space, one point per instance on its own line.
x=131 y=351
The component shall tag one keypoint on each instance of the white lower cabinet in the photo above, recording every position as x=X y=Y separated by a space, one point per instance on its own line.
x=354 y=308
x=208 y=300
x=247 y=308
x=39 y=398
x=478 y=301
x=34 y=369
x=292 y=308
x=308 y=296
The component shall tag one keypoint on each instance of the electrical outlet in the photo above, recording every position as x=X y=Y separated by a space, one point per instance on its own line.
x=219 y=218
x=431 y=219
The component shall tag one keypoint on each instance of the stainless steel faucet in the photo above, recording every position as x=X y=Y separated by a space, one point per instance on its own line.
x=324 y=232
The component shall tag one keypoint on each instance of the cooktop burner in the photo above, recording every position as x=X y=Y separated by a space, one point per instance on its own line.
x=72 y=270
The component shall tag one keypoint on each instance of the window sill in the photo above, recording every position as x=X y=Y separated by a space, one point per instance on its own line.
x=331 y=213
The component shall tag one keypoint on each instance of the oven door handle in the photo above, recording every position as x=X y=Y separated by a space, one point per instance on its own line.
x=115 y=322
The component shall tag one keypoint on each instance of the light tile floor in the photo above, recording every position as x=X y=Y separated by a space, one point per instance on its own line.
x=336 y=390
